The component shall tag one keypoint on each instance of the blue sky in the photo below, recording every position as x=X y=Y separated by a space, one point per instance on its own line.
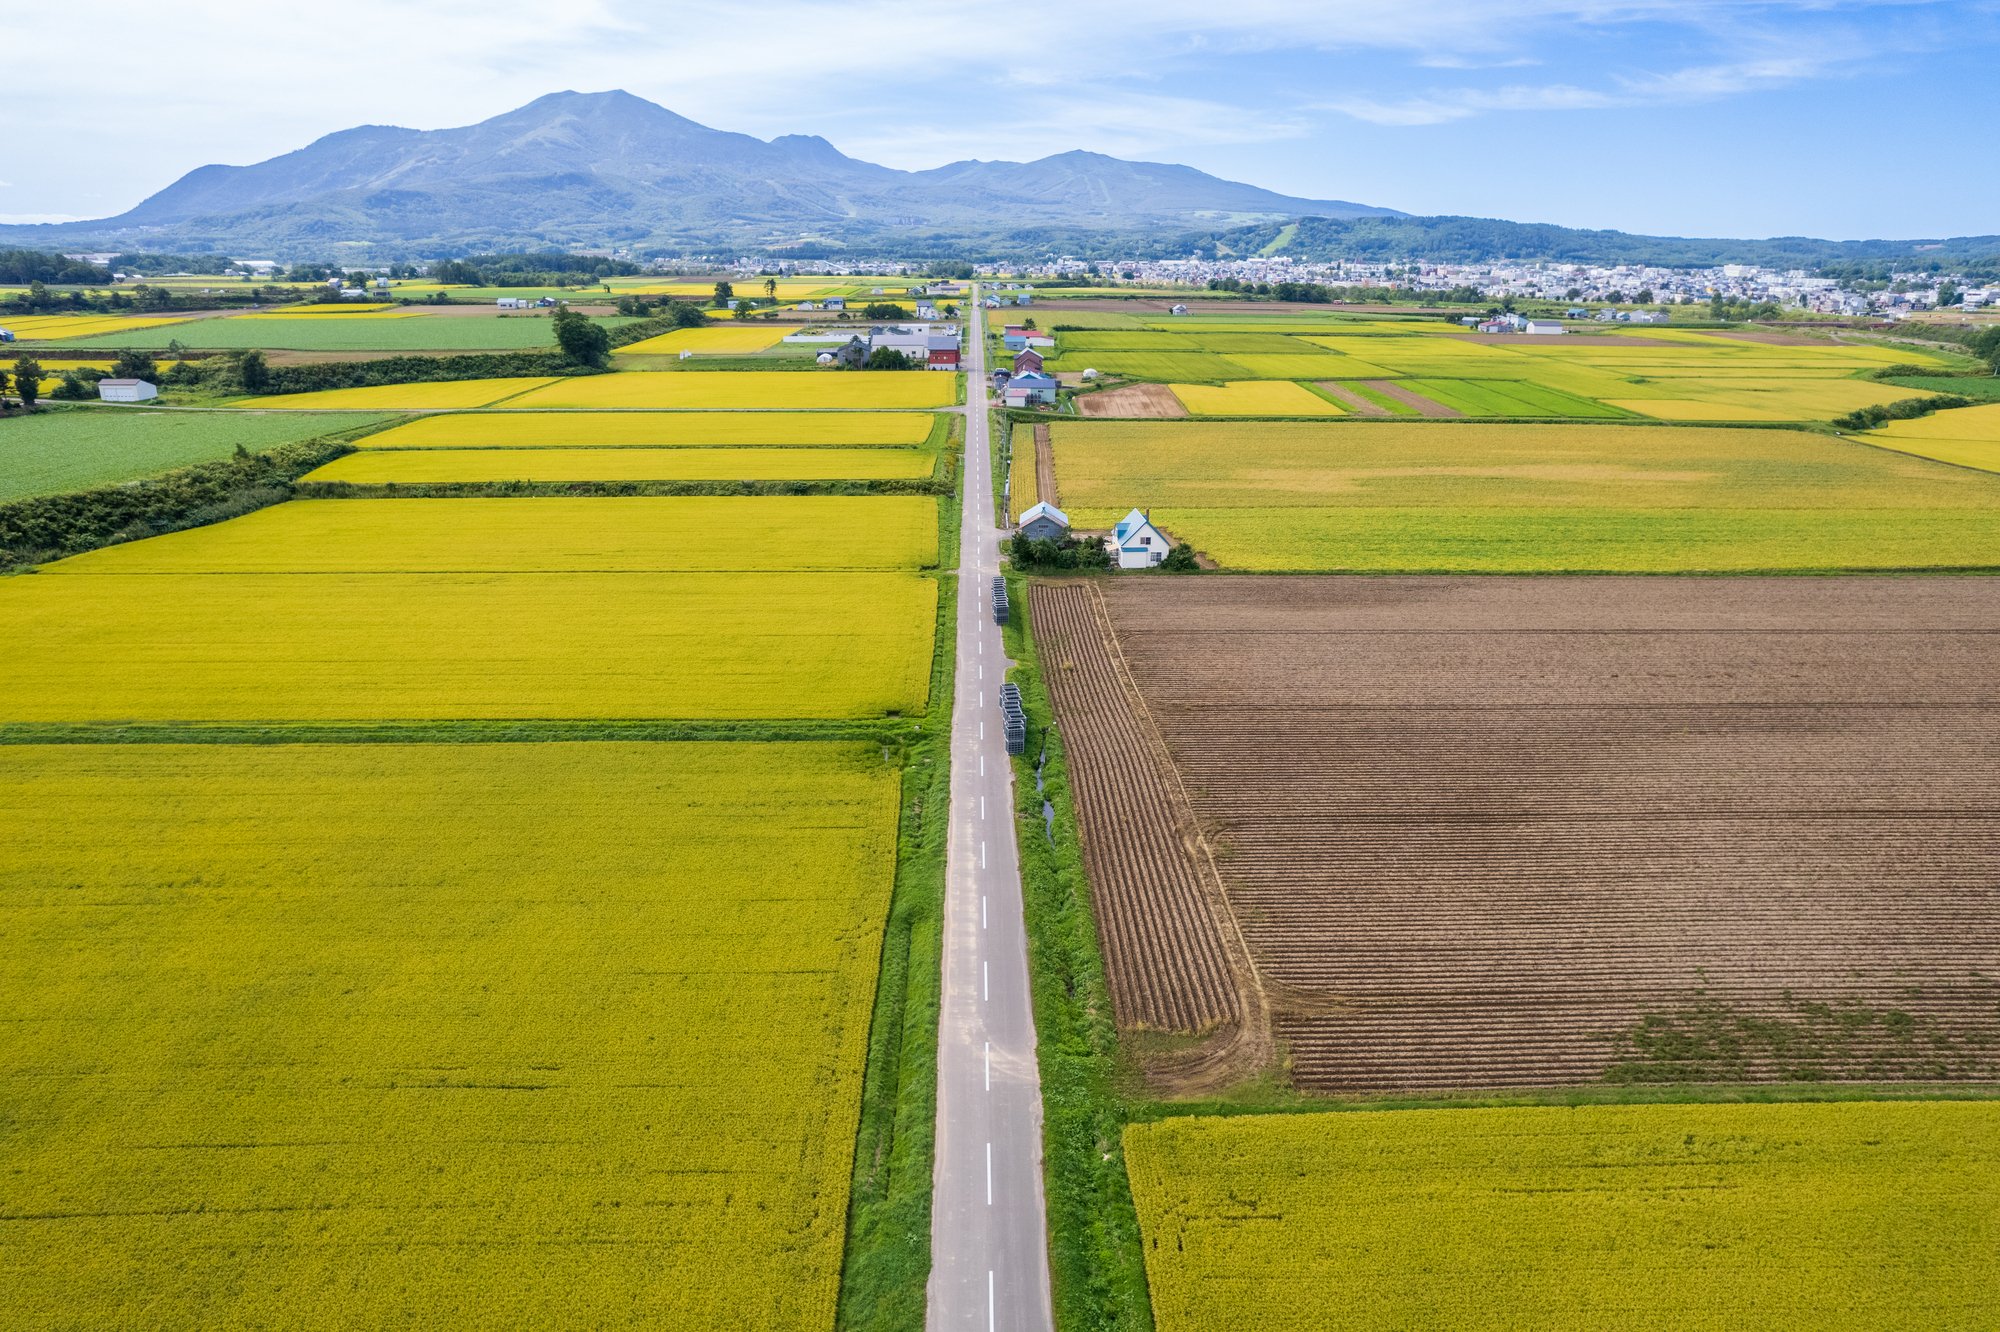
x=1695 y=117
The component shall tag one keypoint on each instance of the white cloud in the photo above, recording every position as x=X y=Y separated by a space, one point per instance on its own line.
x=34 y=219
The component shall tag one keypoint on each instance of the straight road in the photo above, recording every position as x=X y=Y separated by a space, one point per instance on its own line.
x=989 y=1248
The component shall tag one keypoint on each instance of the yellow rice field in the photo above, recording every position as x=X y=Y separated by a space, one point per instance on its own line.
x=1965 y=436
x=440 y=466
x=628 y=534
x=400 y=397
x=1253 y=397
x=250 y=647
x=1843 y=1217
x=750 y=389
x=376 y=310
x=542 y=430
x=443 y=1036
x=736 y=340
x=53 y=328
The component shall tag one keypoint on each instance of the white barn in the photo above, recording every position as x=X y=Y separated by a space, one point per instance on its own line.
x=126 y=390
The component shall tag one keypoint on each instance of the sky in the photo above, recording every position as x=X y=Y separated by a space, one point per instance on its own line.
x=1869 y=118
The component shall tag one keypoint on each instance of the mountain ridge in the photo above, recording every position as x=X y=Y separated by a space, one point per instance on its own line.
x=596 y=169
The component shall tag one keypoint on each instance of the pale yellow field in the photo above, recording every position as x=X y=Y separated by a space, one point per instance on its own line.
x=627 y=534
x=750 y=389
x=710 y=341
x=251 y=647
x=377 y=308
x=1965 y=436
x=1253 y=397
x=538 y=430
x=52 y=328
x=400 y=397
x=427 y=466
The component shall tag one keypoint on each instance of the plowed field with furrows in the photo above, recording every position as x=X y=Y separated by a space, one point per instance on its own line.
x=1163 y=955
x=1478 y=831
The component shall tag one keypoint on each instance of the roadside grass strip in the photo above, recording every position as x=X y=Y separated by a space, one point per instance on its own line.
x=625 y=534
x=750 y=389
x=656 y=430
x=436 y=1036
x=710 y=341
x=442 y=395
x=1255 y=397
x=1862 y=1216
x=452 y=466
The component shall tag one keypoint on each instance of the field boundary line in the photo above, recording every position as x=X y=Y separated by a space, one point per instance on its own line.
x=1249 y=1048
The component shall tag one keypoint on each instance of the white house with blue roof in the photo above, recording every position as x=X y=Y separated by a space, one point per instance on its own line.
x=1138 y=544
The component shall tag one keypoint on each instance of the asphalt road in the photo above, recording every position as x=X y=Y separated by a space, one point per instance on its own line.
x=989 y=1254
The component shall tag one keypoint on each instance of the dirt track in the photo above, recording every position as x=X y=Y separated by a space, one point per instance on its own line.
x=1478 y=829
x=1045 y=468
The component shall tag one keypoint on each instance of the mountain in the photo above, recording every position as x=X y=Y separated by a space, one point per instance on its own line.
x=1475 y=239
x=595 y=169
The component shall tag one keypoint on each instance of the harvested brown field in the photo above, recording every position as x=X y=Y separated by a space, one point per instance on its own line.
x=1045 y=468
x=1409 y=398
x=1152 y=886
x=1351 y=400
x=1489 y=832
x=1150 y=400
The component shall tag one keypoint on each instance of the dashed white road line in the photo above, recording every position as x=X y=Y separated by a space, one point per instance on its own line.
x=989 y=1174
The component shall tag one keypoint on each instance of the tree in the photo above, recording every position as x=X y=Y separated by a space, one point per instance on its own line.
x=28 y=381
x=886 y=358
x=3 y=386
x=71 y=388
x=724 y=294
x=770 y=289
x=254 y=371
x=1948 y=294
x=135 y=365
x=582 y=341
x=1181 y=559
x=883 y=310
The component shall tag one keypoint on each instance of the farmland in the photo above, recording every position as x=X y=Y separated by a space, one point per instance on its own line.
x=1662 y=374
x=402 y=331
x=1966 y=438
x=547 y=535
x=1522 y=832
x=474 y=1035
x=1684 y=1217
x=443 y=396
x=1410 y=497
x=447 y=466
x=62 y=328
x=657 y=429
x=57 y=451
x=710 y=341
x=748 y=389
x=1253 y=398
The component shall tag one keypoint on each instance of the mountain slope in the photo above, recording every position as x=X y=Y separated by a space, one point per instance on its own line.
x=600 y=168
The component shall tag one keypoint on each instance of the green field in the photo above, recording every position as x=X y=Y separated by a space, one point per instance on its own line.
x=1681 y=1218
x=414 y=333
x=435 y=1036
x=1448 y=496
x=1980 y=388
x=54 y=452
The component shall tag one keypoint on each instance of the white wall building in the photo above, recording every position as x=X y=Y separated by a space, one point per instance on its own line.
x=1136 y=543
x=126 y=390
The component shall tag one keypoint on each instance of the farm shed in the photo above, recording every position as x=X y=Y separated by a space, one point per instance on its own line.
x=126 y=390
x=1044 y=522
x=1036 y=388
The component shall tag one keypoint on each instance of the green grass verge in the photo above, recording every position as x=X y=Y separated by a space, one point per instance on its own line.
x=1097 y=1269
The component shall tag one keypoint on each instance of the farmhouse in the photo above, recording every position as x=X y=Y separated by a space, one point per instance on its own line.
x=1032 y=390
x=1044 y=522
x=943 y=351
x=1014 y=338
x=836 y=303
x=1543 y=327
x=126 y=390
x=1137 y=543
x=1027 y=361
